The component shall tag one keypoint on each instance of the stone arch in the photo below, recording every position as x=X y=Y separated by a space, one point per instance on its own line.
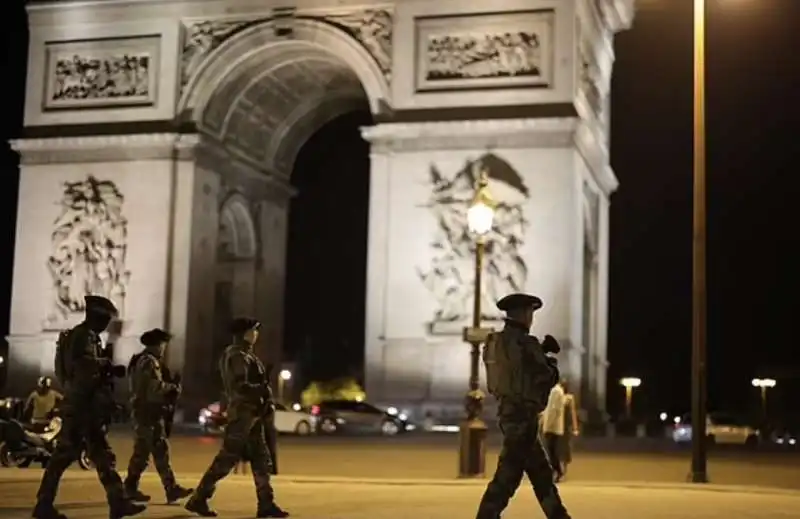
x=237 y=230
x=262 y=95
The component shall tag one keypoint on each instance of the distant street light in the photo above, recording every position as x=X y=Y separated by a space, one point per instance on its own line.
x=480 y=217
x=763 y=384
x=284 y=376
x=663 y=417
x=629 y=383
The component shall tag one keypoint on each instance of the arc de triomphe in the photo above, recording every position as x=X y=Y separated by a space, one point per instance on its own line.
x=160 y=136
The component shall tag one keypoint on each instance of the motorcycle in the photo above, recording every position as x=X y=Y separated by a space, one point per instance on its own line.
x=24 y=444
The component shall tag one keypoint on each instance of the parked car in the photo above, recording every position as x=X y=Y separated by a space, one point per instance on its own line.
x=287 y=421
x=336 y=416
x=722 y=428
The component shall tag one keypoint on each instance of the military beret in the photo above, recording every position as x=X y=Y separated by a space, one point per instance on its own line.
x=155 y=337
x=242 y=325
x=518 y=301
x=101 y=305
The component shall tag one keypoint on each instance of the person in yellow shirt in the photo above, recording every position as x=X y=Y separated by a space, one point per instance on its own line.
x=42 y=402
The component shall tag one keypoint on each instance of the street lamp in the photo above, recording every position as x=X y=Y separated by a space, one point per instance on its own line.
x=699 y=473
x=629 y=383
x=284 y=376
x=480 y=215
x=763 y=384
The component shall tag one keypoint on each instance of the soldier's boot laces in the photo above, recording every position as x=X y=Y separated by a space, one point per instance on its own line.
x=270 y=511
x=199 y=506
x=177 y=492
x=125 y=508
x=134 y=494
x=46 y=512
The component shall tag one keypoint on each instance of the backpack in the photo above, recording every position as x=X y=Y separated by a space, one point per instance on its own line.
x=497 y=363
x=60 y=361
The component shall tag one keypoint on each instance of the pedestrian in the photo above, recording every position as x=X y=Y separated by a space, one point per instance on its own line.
x=571 y=428
x=553 y=429
x=520 y=375
x=150 y=393
x=85 y=375
x=249 y=400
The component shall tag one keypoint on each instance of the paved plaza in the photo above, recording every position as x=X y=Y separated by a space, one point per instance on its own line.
x=341 y=498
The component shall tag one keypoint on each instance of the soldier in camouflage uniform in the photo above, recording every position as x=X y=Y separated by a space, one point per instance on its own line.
x=85 y=374
x=150 y=393
x=531 y=374
x=249 y=399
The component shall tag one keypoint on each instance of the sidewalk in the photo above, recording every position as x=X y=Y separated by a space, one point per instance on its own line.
x=339 y=498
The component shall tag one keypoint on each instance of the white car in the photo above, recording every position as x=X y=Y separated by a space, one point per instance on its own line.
x=287 y=421
x=720 y=428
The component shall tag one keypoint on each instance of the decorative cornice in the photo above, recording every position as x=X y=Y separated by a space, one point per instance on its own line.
x=597 y=159
x=106 y=148
x=463 y=135
x=620 y=14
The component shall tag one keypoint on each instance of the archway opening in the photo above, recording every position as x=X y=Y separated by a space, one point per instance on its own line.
x=327 y=253
x=287 y=113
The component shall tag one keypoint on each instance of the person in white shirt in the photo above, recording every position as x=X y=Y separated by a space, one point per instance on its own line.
x=553 y=428
x=571 y=427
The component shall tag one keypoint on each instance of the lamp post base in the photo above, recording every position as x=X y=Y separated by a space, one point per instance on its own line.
x=697 y=477
x=472 y=448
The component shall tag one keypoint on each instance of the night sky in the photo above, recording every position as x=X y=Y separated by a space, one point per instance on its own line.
x=753 y=116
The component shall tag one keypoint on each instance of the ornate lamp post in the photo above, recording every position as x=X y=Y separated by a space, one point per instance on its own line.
x=764 y=384
x=472 y=454
x=283 y=377
x=629 y=383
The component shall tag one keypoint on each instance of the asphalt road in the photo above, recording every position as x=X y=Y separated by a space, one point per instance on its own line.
x=435 y=457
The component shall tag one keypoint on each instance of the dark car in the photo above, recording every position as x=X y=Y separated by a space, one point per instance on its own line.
x=336 y=416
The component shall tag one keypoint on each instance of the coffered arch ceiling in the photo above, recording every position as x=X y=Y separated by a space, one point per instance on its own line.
x=270 y=103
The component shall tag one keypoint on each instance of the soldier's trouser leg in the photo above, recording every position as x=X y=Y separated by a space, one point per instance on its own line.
x=160 y=450
x=510 y=468
x=139 y=458
x=105 y=462
x=540 y=474
x=261 y=465
x=233 y=446
x=67 y=450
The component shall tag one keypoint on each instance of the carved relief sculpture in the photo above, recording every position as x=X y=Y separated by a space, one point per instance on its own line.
x=590 y=77
x=102 y=73
x=90 y=242
x=485 y=51
x=372 y=28
x=450 y=277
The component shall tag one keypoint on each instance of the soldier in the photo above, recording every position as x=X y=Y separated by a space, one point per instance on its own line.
x=85 y=377
x=150 y=393
x=249 y=399
x=520 y=375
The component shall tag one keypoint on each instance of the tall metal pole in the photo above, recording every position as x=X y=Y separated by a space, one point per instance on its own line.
x=474 y=377
x=699 y=455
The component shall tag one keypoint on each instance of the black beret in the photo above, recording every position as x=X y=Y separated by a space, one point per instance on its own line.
x=155 y=337
x=518 y=301
x=100 y=305
x=243 y=325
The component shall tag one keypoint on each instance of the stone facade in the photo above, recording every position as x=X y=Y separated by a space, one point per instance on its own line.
x=188 y=116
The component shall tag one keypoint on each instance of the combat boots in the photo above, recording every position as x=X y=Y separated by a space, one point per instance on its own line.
x=125 y=508
x=271 y=511
x=176 y=493
x=42 y=511
x=199 y=505
x=134 y=494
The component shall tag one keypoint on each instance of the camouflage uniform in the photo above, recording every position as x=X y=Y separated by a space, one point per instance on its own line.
x=149 y=395
x=249 y=398
x=84 y=374
x=518 y=417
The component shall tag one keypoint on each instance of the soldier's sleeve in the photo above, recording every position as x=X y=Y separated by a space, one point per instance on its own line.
x=87 y=366
x=157 y=388
x=237 y=372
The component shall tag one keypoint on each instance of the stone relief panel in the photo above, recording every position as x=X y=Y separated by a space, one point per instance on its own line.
x=372 y=28
x=101 y=73
x=590 y=78
x=507 y=50
x=450 y=276
x=90 y=244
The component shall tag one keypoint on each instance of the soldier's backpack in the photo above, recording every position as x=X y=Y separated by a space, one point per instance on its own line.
x=497 y=365
x=60 y=361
